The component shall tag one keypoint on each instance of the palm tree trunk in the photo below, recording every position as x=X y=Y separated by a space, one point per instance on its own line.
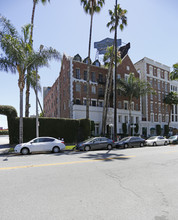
x=32 y=20
x=88 y=68
x=21 y=117
x=130 y=115
x=27 y=106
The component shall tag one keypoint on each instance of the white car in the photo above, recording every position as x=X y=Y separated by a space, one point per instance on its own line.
x=40 y=144
x=157 y=140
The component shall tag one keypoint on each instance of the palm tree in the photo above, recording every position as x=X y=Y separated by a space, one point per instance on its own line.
x=35 y=2
x=90 y=6
x=19 y=56
x=30 y=39
x=109 y=63
x=170 y=99
x=133 y=88
x=118 y=18
x=174 y=73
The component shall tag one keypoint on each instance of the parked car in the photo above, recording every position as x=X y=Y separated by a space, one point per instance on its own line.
x=173 y=139
x=131 y=141
x=95 y=143
x=157 y=140
x=40 y=144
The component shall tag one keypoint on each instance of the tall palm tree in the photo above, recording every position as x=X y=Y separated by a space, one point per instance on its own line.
x=19 y=56
x=30 y=39
x=118 y=18
x=109 y=63
x=90 y=6
x=35 y=2
x=170 y=99
x=174 y=73
x=133 y=88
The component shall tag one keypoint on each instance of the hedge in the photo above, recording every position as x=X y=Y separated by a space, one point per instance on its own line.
x=71 y=130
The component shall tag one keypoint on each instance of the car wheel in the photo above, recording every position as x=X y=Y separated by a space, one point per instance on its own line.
x=87 y=148
x=154 y=144
x=141 y=144
x=25 y=151
x=165 y=143
x=109 y=147
x=56 y=149
x=125 y=145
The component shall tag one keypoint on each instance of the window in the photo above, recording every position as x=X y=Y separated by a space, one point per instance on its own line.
x=93 y=102
x=128 y=68
x=78 y=87
x=158 y=85
x=159 y=118
x=118 y=76
x=93 y=77
x=126 y=119
x=84 y=101
x=126 y=76
x=120 y=105
x=132 y=106
x=93 y=89
x=137 y=120
x=151 y=107
x=159 y=96
x=77 y=102
x=125 y=105
x=100 y=103
x=136 y=107
x=166 y=87
x=158 y=71
x=85 y=75
x=100 y=78
x=77 y=73
x=151 y=69
x=85 y=88
x=120 y=118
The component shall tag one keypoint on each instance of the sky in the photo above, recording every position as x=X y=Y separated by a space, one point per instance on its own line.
x=152 y=31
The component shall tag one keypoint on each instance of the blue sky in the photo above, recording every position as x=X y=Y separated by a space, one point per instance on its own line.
x=152 y=31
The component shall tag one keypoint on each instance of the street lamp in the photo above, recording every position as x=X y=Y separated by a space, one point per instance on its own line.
x=37 y=123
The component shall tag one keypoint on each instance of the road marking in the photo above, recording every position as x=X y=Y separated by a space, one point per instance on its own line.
x=64 y=163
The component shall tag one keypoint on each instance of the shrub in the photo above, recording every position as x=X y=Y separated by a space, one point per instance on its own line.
x=158 y=129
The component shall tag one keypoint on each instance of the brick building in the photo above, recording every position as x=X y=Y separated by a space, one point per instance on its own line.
x=67 y=97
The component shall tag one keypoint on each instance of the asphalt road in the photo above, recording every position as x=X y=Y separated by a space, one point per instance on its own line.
x=139 y=184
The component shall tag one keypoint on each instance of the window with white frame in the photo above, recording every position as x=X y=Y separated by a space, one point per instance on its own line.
x=159 y=85
x=167 y=118
x=84 y=101
x=159 y=107
x=159 y=118
x=128 y=68
x=77 y=73
x=151 y=107
x=119 y=105
x=126 y=119
x=93 y=89
x=132 y=106
x=158 y=72
x=120 y=118
x=93 y=102
x=159 y=96
x=151 y=70
x=126 y=105
x=126 y=76
x=152 y=117
x=78 y=87
x=100 y=103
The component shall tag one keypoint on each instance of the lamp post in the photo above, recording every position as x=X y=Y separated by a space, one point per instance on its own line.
x=37 y=121
x=115 y=78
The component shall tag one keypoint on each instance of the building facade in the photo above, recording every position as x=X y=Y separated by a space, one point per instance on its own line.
x=67 y=97
x=154 y=110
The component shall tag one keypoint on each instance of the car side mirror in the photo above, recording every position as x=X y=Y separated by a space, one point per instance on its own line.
x=31 y=142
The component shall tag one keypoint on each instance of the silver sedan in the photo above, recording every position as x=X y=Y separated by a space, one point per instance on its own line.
x=156 y=140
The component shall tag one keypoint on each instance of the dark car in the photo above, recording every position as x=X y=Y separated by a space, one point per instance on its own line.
x=96 y=143
x=130 y=142
x=173 y=139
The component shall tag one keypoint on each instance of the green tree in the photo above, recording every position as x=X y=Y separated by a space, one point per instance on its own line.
x=19 y=56
x=91 y=7
x=133 y=88
x=170 y=99
x=174 y=73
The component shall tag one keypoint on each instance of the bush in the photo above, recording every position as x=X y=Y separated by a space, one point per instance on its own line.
x=4 y=132
x=124 y=128
x=166 y=130
x=158 y=129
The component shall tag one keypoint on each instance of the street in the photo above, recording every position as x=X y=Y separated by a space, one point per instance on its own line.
x=135 y=183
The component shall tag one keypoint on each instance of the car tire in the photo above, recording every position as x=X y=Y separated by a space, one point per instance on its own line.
x=165 y=143
x=109 y=147
x=25 y=151
x=56 y=149
x=126 y=145
x=141 y=144
x=87 y=148
x=154 y=144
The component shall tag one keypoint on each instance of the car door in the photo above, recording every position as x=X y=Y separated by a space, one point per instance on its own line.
x=36 y=145
x=160 y=140
x=133 y=142
x=96 y=145
x=103 y=143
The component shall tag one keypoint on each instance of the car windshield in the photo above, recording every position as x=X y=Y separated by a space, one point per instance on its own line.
x=125 y=139
x=151 y=138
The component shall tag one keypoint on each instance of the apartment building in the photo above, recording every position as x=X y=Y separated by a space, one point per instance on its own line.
x=154 y=111
x=67 y=97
